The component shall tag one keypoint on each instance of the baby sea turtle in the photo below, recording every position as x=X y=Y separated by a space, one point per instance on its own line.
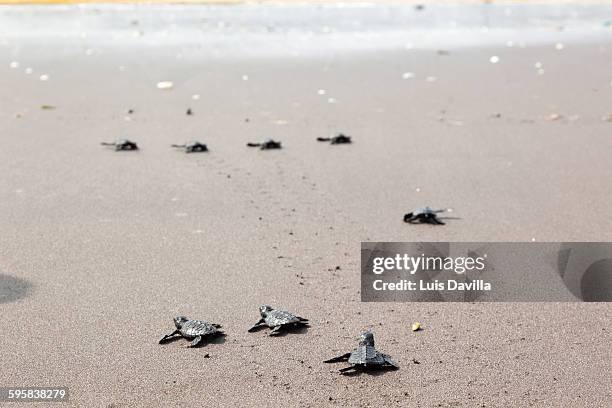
x=192 y=147
x=338 y=139
x=194 y=330
x=266 y=145
x=121 y=144
x=365 y=357
x=277 y=319
x=424 y=215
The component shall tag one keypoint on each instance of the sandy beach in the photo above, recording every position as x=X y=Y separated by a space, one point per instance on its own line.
x=99 y=249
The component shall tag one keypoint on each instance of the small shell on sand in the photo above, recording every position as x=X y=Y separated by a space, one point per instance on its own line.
x=165 y=85
x=416 y=326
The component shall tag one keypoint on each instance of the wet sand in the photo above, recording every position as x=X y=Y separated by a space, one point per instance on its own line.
x=110 y=246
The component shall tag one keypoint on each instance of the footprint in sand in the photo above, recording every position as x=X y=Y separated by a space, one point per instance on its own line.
x=12 y=288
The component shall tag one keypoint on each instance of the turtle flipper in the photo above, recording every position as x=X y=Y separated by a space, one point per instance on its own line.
x=196 y=341
x=257 y=325
x=338 y=359
x=167 y=336
x=179 y=146
x=435 y=220
x=408 y=218
x=275 y=330
x=347 y=370
x=218 y=326
x=323 y=139
x=253 y=144
x=389 y=361
x=303 y=320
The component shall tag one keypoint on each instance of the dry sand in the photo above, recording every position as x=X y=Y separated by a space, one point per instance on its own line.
x=113 y=245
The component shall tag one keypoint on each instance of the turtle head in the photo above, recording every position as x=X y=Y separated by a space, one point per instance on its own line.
x=366 y=339
x=179 y=321
x=264 y=310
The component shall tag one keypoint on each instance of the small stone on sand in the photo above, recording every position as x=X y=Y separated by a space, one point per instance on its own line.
x=165 y=85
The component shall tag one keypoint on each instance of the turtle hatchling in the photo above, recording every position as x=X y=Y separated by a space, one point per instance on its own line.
x=424 y=215
x=365 y=357
x=266 y=144
x=192 y=147
x=121 y=144
x=277 y=320
x=338 y=139
x=194 y=330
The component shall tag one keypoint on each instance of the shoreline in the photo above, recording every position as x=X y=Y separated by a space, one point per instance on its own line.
x=310 y=2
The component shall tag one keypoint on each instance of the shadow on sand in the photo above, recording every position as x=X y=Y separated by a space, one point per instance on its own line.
x=302 y=329
x=374 y=372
